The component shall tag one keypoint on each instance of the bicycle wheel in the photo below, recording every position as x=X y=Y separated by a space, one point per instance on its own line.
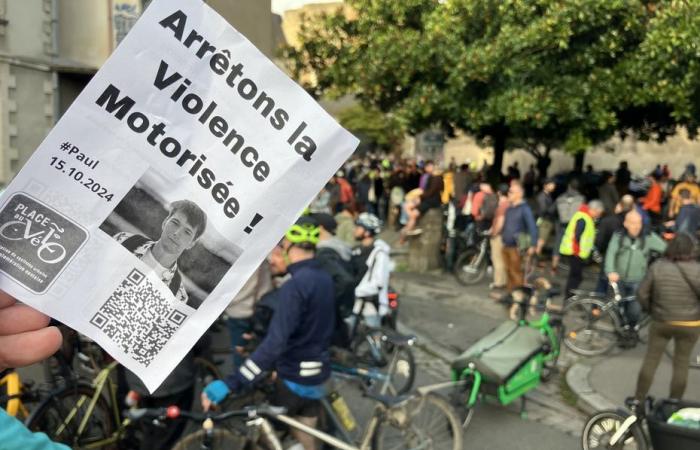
x=216 y=439
x=468 y=269
x=427 y=422
x=601 y=427
x=590 y=329
x=60 y=415
x=373 y=352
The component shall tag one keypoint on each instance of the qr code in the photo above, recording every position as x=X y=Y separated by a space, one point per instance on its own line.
x=138 y=318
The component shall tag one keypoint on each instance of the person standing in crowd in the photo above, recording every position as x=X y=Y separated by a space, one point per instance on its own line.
x=518 y=220
x=688 y=183
x=500 y=277
x=567 y=204
x=346 y=196
x=622 y=178
x=608 y=226
x=484 y=205
x=345 y=219
x=297 y=343
x=578 y=241
x=240 y=310
x=688 y=218
x=627 y=259
x=651 y=202
x=463 y=179
x=670 y=291
x=607 y=193
x=546 y=213
x=529 y=181
x=372 y=266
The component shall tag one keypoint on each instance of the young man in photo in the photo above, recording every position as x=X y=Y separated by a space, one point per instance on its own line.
x=180 y=231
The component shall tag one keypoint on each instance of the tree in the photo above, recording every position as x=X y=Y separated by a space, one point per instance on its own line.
x=376 y=130
x=531 y=74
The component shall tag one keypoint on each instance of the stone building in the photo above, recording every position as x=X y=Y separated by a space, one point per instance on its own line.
x=49 y=50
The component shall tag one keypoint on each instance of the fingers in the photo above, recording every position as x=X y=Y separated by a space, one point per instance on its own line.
x=6 y=300
x=20 y=318
x=206 y=403
x=27 y=348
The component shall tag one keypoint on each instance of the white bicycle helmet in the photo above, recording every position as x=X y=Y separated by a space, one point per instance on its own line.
x=369 y=222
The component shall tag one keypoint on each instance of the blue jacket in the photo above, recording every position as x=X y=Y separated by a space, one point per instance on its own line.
x=15 y=436
x=297 y=340
x=519 y=219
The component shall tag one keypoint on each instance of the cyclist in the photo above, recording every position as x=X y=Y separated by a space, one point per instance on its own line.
x=373 y=267
x=627 y=258
x=297 y=341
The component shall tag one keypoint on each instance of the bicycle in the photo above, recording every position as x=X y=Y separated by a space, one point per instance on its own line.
x=88 y=415
x=15 y=395
x=472 y=263
x=381 y=351
x=596 y=324
x=394 y=424
x=512 y=359
x=639 y=426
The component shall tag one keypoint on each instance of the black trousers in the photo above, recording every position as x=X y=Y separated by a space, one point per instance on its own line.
x=575 y=278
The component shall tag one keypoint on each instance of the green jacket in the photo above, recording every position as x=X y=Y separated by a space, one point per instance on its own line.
x=630 y=257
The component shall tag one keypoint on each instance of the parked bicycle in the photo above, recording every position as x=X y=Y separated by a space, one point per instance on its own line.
x=639 y=426
x=473 y=262
x=512 y=359
x=595 y=324
x=16 y=395
x=88 y=415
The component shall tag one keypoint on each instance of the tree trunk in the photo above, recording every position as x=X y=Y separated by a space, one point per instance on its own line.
x=499 y=149
x=578 y=161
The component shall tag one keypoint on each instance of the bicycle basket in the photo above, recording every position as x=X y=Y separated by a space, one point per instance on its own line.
x=664 y=435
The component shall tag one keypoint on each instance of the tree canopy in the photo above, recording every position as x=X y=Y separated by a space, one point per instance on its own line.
x=531 y=74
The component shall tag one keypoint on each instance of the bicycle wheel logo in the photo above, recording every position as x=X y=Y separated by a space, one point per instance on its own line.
x=36 y=242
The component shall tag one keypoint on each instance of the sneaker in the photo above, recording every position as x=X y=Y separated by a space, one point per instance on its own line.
x=414 y=232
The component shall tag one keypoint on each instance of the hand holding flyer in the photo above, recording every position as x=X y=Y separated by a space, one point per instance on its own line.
x=162 y=188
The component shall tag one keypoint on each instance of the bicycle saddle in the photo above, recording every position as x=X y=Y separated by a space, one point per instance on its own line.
x=399 y=339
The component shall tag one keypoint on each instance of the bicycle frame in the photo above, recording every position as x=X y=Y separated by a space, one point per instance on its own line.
x=13 y=385
x=101 y=381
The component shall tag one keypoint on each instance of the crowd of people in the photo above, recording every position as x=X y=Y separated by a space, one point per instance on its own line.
x=334 y=252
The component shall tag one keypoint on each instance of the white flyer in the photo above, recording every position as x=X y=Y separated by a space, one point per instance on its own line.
x=163 y=187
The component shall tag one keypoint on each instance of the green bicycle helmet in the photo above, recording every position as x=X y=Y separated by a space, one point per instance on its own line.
x=304 y=231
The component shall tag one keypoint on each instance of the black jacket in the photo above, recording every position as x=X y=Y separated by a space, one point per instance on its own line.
x=667 y=294
x=607 y=227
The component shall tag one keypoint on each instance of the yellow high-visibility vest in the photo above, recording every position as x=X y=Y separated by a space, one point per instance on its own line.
x=587 y=238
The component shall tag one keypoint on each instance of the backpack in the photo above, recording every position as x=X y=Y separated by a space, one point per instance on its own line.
x=262 y=314
x=343 y=279
x=488 y=208
x=567 y=205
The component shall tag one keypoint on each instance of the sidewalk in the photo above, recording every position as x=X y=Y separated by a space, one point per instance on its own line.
x=604 y=382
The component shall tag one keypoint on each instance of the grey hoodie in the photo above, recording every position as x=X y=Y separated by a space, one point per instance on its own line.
x=340 y=247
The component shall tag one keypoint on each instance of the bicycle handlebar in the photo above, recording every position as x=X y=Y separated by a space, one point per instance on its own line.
x=174 y=412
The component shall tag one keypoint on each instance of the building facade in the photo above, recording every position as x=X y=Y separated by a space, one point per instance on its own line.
x=49 y=50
